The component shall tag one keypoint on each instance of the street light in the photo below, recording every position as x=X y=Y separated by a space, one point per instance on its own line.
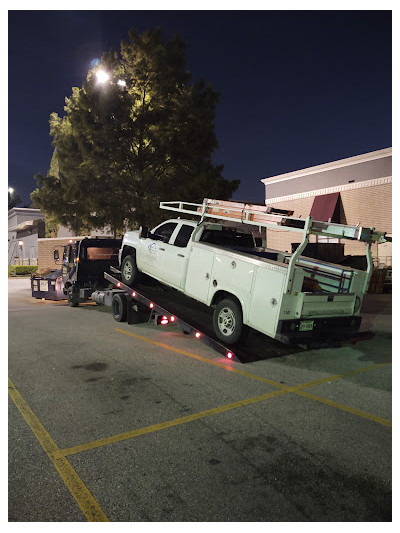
x=102 y=76
x=10 y=190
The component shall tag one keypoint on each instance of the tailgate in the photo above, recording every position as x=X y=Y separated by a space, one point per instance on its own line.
x=327 y=305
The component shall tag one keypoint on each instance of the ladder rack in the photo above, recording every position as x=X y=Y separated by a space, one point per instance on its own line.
x=258 y=215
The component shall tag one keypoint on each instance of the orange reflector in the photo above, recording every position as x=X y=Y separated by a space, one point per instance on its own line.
x=197 y=335
x=229 y=355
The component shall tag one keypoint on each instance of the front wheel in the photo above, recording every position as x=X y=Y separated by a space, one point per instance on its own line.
x=129 y=270
x=228 y=321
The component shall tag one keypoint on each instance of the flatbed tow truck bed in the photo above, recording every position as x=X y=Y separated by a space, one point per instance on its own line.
x=198 y=320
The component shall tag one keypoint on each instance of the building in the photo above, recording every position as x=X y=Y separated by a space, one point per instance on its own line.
x=25 y=225
x=27 y=242
x=356 y=190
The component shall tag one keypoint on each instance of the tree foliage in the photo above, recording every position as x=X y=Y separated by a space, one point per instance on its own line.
x=13 y=199
x=119 y=150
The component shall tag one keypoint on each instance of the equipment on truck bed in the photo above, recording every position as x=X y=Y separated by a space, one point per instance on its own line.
x=263 y=216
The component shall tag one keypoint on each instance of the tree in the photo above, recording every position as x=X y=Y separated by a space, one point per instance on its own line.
x=120 y=149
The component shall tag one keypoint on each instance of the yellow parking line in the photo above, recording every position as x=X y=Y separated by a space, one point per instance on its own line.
x=294 y=390
x=346 y=408
x=75 y=485
x=254 y=376
x=168 y=424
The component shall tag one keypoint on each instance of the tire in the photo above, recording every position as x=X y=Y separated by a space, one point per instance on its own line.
x=129 y=270
x=119 y=306
x=73 y=296
x=228 y=321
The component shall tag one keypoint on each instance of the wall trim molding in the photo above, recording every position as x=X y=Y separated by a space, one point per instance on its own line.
x=338 y=188
x=349 y=161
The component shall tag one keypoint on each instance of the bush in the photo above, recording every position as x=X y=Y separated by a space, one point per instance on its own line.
x=20 y=270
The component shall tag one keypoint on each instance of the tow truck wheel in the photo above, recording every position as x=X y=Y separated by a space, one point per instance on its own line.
x=119 y=306
x=228 y=321
x=73 y=296
x=129 y=270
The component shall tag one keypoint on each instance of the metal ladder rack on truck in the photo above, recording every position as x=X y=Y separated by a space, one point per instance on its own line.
x=134 y=307
x=285 y=296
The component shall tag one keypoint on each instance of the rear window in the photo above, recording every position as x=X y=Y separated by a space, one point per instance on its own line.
x=183 y=236
x=229 y=237
x=94 y=253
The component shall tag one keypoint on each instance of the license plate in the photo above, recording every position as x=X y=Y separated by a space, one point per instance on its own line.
x=306 y=325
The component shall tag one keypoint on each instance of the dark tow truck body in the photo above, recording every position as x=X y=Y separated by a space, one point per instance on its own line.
x=84 y=263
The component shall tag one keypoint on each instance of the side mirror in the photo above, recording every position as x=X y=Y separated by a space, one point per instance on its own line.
x=56 y=256
x=143 y=232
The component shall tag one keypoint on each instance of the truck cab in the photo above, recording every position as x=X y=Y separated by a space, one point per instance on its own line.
x=84 y=263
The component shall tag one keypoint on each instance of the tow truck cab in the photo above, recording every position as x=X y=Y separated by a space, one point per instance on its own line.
x=84 y=263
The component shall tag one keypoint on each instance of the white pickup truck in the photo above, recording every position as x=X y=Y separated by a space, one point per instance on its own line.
x=220 y=261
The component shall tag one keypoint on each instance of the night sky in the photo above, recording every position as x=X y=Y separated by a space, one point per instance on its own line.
x=298 y=88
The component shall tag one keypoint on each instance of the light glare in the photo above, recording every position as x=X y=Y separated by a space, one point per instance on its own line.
x=102 y=76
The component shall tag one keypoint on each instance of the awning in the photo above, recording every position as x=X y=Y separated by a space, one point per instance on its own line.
x=324 y=206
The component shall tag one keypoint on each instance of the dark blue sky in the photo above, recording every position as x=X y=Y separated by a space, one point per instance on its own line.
x=298 y=88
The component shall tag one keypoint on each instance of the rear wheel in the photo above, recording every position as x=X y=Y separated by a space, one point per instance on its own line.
x=129 y=270
x=119 y=306
x=228 y=321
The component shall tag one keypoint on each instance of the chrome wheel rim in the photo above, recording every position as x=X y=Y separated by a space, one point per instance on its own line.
x=127 y=270
x=226 y=321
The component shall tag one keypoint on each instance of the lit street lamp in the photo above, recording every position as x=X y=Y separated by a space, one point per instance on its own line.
x=102 y=76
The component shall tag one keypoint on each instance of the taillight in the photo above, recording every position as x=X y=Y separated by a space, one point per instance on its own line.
x=229 y=355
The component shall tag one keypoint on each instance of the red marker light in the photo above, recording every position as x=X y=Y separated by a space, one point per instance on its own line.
x=229 y=355
x=172 y=319
x=134 y=294
x=197 y=335
x=119 y=284
x=151 y=306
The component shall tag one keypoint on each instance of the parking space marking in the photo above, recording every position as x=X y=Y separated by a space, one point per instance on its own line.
x=168 y=424
x=73 y=482
x=297 y=389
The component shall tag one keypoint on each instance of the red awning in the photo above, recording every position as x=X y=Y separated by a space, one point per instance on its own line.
x=324 y=206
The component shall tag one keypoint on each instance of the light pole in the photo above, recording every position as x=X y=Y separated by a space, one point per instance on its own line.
x=21 y=260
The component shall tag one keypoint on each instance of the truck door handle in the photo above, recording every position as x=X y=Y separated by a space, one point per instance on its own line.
x=181 y=255
x=162 y=249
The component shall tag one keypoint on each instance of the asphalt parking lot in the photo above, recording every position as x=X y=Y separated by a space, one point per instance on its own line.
x=136 y=423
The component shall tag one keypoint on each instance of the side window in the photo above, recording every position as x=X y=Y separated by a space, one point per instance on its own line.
x=183 y=236
x=165 y=231
x=66 y=253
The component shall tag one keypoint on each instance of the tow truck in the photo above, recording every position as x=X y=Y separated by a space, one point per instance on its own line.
x=221 y=261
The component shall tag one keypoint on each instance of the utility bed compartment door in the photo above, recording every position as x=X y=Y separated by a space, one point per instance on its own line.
x=266 y=299
x=327 y=305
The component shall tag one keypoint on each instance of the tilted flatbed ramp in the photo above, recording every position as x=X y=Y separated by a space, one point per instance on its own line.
x=134 y=295
x=170 y=302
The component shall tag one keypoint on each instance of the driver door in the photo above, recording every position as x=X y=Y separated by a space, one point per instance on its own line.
x=154 y=248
